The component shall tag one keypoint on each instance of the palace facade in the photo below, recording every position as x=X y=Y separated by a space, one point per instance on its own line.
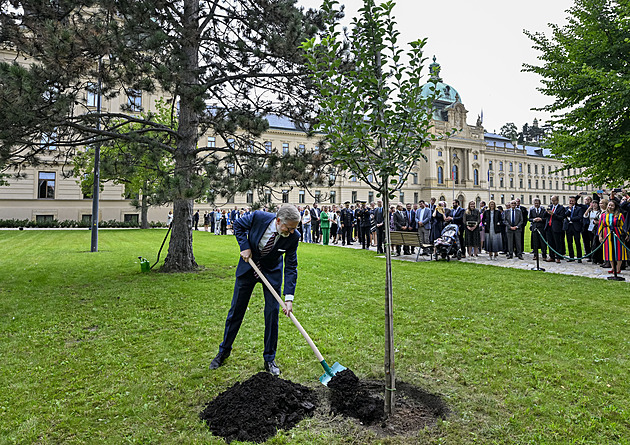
x=470 y=165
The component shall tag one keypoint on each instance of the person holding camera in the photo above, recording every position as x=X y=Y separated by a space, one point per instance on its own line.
x=553 y=229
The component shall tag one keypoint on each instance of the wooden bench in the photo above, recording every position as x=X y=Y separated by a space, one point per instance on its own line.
x=409 y=239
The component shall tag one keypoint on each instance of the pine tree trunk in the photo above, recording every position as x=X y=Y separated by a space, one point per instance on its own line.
x=180 y=256
x=144 y=210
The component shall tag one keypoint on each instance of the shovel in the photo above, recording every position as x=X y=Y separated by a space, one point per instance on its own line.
x=329 y=371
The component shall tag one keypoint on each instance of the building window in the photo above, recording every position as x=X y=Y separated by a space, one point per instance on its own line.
x=212 y=142
x=520 y=183
x=535 y=169
x=402 y=197
x=318 y=196
x=520 y=167
x=332 y=178
x=415 y=178
x=563 y=186
x=370 y=197
x=316 y=149
x=285 y=196
x=134 y=100
x=501 y=182
x=529 y=183
x=440 y=153
x=476 y=176
x=522 y=198
x=354 y=197
x=353 y=177
x=545 y=199
x=502 y=199
x=44 y=218
x=536 y=183
x=333 y=197
x=564 y=200
x=46 y=185
x=86 y=219
x=301 y=197
x=475 y=157
x=529 y=169
x=230 y=143
x=370 y=178
x=91 y=94
x=250 y=197
x=491 y=181
x=268 y=147
x=440 y=175
x=490 y=165
x=530 y=199
x=455 y=174
x=285 y=148
x=301 y=148
x=542 y=169
x=511 y=167
x=511 y=183
x=543 y=183
x=492 y=197
x=500 y=166
x=131 y=218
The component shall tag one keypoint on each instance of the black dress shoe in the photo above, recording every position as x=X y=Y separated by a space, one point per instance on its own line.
x=272 y=368
x=218 y=360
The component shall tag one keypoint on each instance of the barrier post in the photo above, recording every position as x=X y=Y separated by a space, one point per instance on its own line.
x=537 y=254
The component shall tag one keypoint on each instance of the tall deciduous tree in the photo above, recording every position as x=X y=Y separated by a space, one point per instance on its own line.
x=224 y=63
x=585 y=68
x=510 y=131
x=374 y=114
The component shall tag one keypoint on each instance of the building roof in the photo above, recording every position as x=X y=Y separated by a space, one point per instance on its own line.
x=503 y=142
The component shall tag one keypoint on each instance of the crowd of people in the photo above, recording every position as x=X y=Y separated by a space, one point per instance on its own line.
x=595 y=230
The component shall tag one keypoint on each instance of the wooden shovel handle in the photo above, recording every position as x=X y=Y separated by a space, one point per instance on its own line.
x=297 y=324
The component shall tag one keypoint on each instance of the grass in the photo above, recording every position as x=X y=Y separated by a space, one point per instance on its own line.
x=93 y=351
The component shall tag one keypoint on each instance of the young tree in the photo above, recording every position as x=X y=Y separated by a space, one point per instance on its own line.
x=374 y=114
x=225 y=64
x=584 y=67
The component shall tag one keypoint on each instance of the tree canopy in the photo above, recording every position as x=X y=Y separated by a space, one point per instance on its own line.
x=223 y=65
x=585 y=68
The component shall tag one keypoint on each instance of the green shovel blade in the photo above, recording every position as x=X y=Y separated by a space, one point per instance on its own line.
x=330 y=372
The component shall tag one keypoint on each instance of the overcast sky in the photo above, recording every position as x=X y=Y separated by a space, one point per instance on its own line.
x=481 y=48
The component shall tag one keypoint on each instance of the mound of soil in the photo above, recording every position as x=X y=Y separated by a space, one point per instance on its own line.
x=349 y=398
x=255 y=409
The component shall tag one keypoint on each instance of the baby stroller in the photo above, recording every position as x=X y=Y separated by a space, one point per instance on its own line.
x=447 y=244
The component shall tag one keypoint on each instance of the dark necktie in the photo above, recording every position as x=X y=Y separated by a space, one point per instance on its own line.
x=266 y=251
x=512 y=217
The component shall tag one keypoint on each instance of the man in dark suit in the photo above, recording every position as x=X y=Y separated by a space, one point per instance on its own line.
x=513 y=220
x=574 y=215
x=379 y=220
x=400 y=223
x=412 y=226
x=263 y=238
x=315 y=212
x=525 y=214
x=423 y=223
x=457 y=218
x=347 y=219
x=553 y=229
x=363 y=219
x=537 y=218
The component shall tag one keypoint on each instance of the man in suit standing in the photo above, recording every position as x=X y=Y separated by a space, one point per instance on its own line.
x=525 y=214
x=513 y=220
x=553 y=229
x=315 y=212
x=379 y=219
x=423 y=222
x=347 y=218
x=457 y=218
x=400 y=223
x=574 y=215
x=411 y=227
x=363 y=218
x=537 y=218
x=263 y=238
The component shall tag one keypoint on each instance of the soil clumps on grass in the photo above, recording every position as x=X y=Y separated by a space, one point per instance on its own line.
x=348 y=398
x=255 y=409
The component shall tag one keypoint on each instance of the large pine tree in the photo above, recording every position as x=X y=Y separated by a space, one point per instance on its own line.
x=225 y=64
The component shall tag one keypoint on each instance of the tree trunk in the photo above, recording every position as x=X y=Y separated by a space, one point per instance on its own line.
x=390 y=371
x=144 y=210
x=180 y=256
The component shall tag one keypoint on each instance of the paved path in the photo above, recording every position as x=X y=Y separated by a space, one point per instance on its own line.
x=584 y=269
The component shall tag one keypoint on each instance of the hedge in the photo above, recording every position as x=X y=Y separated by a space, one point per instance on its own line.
x=68 y=223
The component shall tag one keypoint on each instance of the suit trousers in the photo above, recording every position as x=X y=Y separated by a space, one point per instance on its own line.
x=380 y=238
x=538 y=244
x=556 y=241
x=315 y=230
x=425 y=235
x=514 y=242
x=587 y=238
x=347 y=235
x=243 y=288
x=571 y=237
x=365 y=237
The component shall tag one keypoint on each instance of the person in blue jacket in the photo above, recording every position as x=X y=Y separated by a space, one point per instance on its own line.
x=271 y=241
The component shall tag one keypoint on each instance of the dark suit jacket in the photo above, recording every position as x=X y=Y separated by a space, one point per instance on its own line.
x=379 y=215
x=539 y=212
x=315 y=214
x=458 y=217
x=575 y=221
x=248 y=231
x=556 y=219
x=518 y=218
x=498 y=221
x=400 y=220
x=412 y=221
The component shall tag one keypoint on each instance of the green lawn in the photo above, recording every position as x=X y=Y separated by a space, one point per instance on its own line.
x=93 y=351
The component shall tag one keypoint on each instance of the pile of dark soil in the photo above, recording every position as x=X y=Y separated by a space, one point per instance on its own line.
x=255 y=409
x=349 y=398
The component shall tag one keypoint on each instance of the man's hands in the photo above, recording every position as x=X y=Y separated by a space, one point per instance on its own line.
x=289 y=308
x=246 y=254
